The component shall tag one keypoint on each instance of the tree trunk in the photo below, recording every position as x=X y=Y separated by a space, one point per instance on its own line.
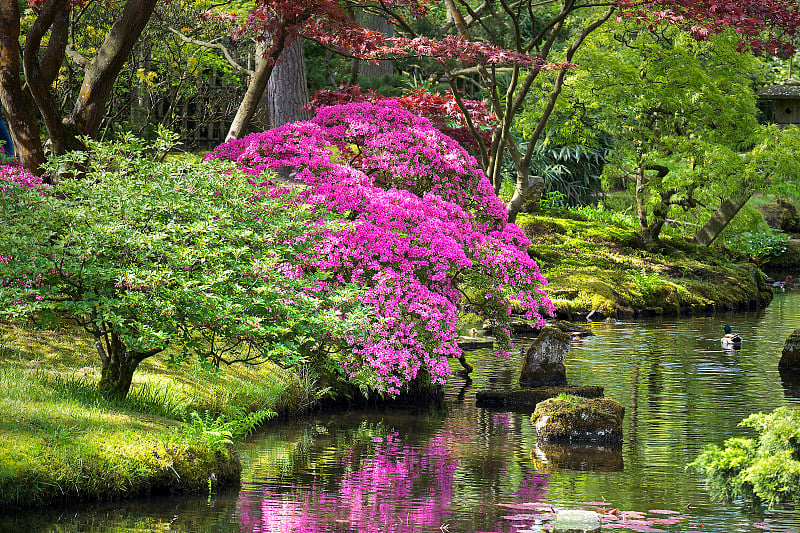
x=249 y=104
x=141 y=102
x=373 y=69
x=651 y=231
x=41 y=69
x=104 y=68
x=515 y=98
x=641 y=209
x=17 y=102
x=650 y=234
x=720 y=219
x=287 y=89
x=258 y=82
x=528 y=189
x=119 y=364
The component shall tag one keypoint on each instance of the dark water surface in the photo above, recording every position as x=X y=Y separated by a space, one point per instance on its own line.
x=449 y=468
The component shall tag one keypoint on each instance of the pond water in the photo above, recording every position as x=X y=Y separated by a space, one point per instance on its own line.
x=460 y=468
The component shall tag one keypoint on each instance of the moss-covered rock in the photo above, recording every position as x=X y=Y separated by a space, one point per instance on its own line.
x=790 y=357
x=574 y=419
x=525 y=400
x=781 y=215
x=790 y=258
x=543 y=364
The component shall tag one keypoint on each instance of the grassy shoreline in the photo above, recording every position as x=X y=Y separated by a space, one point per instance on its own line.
x=175 y=432
x=65 y=442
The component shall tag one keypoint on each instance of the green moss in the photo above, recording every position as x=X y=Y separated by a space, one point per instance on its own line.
x=572 y=418
x=601 y=266
x=788 y=259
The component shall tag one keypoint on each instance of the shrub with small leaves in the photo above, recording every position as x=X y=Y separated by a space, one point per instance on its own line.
x=147 y=255
x=761 y=469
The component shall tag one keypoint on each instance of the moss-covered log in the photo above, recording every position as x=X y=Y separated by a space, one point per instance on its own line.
x=526 y=399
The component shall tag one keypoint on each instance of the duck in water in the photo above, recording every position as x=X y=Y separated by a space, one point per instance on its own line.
x=731 y=340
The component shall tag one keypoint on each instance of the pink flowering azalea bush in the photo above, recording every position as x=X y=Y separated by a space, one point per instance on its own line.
x=418 y=230
x=14 y=177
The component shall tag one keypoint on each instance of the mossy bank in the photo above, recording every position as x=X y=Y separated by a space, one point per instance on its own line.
x=603 y=267
x=174 y=433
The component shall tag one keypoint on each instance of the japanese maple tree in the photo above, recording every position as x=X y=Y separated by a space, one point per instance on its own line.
x=527 y=38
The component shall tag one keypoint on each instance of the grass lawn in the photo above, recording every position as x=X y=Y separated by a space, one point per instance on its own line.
x=63 y=441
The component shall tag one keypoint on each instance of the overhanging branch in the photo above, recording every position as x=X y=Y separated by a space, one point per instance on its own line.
x=217 y=46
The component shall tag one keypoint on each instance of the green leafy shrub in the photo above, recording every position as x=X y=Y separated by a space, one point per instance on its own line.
x=761 y=469
x=599 y=213
x=759 y=246
x=183 y=255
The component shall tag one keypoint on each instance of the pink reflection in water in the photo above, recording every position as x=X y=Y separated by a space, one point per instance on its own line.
x=397 y=488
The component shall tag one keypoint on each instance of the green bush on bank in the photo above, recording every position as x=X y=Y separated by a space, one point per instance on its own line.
x=763 y=469
x=180 y=258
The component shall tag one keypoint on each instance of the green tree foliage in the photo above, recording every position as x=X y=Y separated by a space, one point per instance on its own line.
x=684 y=138
x=184 y=255
x=762 y=469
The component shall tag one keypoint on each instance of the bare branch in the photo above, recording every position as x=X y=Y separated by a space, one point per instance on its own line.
x=76 y=58
x=217 y=46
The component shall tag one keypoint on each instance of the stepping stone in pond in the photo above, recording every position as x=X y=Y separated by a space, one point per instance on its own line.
x=575 y=521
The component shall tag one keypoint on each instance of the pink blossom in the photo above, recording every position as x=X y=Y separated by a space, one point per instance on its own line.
x=412 y=222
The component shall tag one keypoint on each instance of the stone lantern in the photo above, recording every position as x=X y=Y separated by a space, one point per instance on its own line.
x=781 y=102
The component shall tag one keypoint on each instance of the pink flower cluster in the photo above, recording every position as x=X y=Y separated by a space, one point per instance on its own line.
x=13 y=175
x=418 y=226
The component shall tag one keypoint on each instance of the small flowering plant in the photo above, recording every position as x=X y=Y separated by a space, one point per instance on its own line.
x=419 y=231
